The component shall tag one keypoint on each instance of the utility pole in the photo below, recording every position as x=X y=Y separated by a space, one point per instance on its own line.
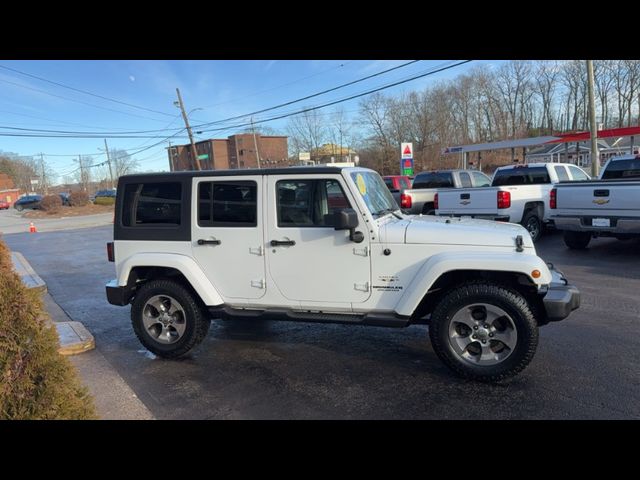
x=595 y=157
x=171 y=167
x=45 y=188
x=106 y=149
x=255 y=143
x=194 y=152
x=82 y=178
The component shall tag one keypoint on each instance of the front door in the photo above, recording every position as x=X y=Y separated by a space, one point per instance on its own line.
x=308 y=260
x=227 y=234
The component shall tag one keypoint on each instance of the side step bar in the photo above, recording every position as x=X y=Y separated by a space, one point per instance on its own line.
x=378 y=320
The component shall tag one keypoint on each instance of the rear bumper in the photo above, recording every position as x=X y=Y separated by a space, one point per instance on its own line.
x=117 y=295
x=619 y=225
x=561 y=298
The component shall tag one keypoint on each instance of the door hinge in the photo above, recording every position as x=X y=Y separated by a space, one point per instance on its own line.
x=258 y=283
x=363 y=287
x=257 y=251
x=361 y=251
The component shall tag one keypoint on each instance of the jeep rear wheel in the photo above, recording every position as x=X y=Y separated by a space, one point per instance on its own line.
x=167 y=319
x=484 y=331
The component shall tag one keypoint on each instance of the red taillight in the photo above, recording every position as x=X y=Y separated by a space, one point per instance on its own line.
x=504 y=199
x=435 y=202
x=553 y=199
x=405 y=201
x=110 y=254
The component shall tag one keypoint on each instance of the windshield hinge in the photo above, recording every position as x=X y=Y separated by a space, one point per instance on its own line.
x=364 y=252
x=519 y=243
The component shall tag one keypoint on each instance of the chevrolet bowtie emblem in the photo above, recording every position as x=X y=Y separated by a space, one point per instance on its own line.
x=600 y=201
x=465 y=202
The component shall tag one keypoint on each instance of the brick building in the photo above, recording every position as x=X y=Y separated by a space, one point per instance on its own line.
x=8 y=192
x=236 y=151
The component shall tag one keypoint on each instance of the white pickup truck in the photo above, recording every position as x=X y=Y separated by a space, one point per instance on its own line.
x=518 y=194
x=607 y=207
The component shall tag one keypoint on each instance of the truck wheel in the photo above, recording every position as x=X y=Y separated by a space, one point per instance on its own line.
x=484 y=331
x=167 y=319
x=19 y=208
x=577 y=240
x=428 y=209
x=533 y=224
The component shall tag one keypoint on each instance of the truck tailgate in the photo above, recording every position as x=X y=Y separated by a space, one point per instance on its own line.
x=594 y=198
x=468 y=201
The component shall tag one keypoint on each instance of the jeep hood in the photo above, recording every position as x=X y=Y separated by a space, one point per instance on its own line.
x=429 y=229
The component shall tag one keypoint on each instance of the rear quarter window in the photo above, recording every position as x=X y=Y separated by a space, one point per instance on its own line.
x=152 y=204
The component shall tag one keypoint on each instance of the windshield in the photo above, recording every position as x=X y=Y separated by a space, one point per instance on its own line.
x=374 y=192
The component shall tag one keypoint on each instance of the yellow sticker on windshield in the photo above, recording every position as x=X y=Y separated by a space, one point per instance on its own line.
x=361 y=185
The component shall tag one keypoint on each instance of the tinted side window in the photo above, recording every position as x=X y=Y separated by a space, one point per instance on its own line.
x=433 y=180
x=521 y=176
x=152 y=204
x=577 y=174
x=389 y=183
x=465 y=180
x=306 y=203
x=622 y=169
x=563 y=176
x=227 y=204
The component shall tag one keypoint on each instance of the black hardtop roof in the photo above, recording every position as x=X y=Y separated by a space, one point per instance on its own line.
x=236 y=172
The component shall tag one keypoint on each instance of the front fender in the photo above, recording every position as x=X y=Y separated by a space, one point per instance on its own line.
x=444 y=262
x=184 y=264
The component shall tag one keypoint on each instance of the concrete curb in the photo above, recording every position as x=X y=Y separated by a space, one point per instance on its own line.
x=29 y=276
x=73 y=336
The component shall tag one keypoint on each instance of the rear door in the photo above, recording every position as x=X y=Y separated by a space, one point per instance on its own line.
x=227 y=234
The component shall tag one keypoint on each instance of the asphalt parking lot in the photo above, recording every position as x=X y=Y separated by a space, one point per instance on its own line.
x=586 y=367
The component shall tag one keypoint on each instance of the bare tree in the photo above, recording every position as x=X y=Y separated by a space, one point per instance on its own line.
x=545 y=85
x=122 y=163
x=307 y=132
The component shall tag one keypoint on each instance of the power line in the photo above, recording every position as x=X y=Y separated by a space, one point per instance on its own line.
x=77 y=101
x=432 y=72
x=84 y=91
x=279 y=86
x=298 y=100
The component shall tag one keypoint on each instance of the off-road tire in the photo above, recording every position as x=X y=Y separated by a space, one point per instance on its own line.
x=197 y=323
x=532 y=216
x=494 y=294
x=576 y=240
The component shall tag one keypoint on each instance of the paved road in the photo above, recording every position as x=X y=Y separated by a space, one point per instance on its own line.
x=586 y=367
x=11 y=221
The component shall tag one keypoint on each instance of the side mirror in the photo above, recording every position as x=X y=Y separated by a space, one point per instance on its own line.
x=345 y=219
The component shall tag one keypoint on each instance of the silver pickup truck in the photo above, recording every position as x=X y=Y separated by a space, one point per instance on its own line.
x=607 y=207
x=420 y=198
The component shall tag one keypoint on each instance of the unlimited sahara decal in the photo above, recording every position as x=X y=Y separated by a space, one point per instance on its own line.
x=388 y=283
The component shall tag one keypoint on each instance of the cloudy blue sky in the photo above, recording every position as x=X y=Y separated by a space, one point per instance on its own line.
x=217 y=89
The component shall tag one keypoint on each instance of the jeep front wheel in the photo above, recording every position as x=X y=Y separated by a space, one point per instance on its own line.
x=167 y=319
x=484 y=331
x=577 y=240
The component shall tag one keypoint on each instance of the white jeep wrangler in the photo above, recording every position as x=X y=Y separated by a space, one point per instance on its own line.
x=326 y=244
